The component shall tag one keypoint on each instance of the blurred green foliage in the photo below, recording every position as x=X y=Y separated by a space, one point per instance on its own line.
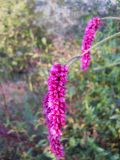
x=92 y=131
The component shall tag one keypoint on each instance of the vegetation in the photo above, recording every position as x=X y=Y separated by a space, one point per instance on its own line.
x=27 y=52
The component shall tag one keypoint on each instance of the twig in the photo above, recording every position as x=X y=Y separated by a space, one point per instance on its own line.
x=115 y=18
x=107 y=66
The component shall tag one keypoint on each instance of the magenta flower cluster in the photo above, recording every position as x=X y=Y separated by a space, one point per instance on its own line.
x=55 y=107
x=54 y=102
x=89 y=35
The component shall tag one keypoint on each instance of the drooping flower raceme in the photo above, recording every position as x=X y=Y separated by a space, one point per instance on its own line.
x=55 y=107
x=89 y=35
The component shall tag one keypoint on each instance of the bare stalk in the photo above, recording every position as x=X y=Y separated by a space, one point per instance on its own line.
x=115 y=18
x=107 y=66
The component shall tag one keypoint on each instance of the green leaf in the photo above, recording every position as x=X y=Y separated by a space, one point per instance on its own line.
x=72 y=142
x=44 y=41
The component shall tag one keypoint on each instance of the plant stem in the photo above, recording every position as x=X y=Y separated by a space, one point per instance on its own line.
x=107 y=66
x=115 y=18
x=75 y=58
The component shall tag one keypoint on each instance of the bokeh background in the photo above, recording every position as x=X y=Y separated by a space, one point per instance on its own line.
x=33 y=35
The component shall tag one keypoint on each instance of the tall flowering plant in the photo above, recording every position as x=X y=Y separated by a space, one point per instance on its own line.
x=54 y=102
x=55 y=107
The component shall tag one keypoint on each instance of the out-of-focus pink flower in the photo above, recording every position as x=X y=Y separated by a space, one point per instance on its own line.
x=89 y=35
x=55 y=107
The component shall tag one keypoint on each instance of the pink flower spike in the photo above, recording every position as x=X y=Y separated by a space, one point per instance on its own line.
x=89 y=35
x=54 y=106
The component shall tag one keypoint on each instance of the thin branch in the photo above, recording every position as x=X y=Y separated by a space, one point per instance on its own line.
x=107 y=66
x=75 y=58
x=115 y=18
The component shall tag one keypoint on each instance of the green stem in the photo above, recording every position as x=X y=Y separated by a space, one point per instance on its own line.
x=115 y=18
x=75 y=58
x=107 y=66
